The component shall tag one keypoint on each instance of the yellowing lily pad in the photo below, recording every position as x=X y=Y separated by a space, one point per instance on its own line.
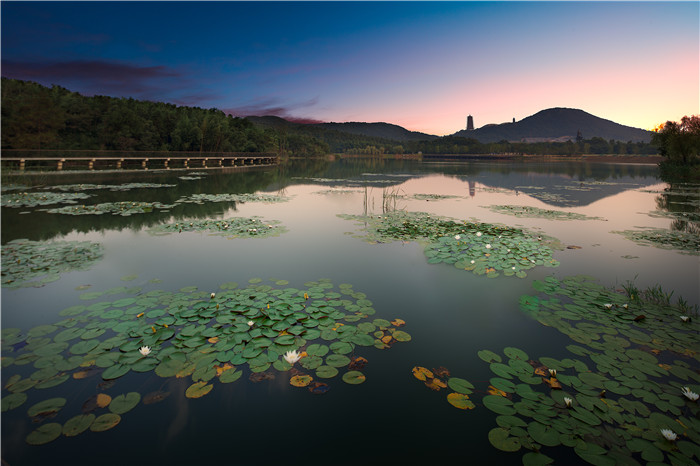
x=300 y=380
x=421 y=373
x=460 y=401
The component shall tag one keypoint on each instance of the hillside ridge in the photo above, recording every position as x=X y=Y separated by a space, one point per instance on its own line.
x=557 y=124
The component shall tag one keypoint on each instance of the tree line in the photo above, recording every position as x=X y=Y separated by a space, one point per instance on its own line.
x=38 y=117
x=596 y=145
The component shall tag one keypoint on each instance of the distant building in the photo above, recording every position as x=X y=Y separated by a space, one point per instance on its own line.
x=470 y=123
x=513 y=119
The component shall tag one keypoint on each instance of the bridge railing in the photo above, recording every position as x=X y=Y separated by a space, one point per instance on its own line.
x=89 y=153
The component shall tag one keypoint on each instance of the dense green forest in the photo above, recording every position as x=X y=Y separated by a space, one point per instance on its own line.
x=460 y=145
x=38 y=117
x=42 y=118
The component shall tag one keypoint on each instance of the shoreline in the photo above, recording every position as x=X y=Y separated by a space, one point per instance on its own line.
x=595 y=158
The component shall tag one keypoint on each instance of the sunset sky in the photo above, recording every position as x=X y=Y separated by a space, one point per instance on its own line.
x=424 y=66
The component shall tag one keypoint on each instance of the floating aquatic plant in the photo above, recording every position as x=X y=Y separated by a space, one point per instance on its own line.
x=686 y=243
x=429 y=197
x=483 y=248
x=202 y=335
x=242 y=197
x=124 y=208
x=28 y=263
x=535 y=212
x=234 y=227
x=34 y=199
x=620 y=399
x=111 y=187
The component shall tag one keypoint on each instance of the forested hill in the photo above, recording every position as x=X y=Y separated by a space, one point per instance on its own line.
x=38 y=117
x=379 y=130
x=557 y=124
x=338 y=140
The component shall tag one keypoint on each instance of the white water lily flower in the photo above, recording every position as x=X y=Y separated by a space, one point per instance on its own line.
x=692 y=396
x=553 y=372
x=607 y=306
x=685 y=318
x=669 y=434
x=213 y=295
x=513 y=267
x=473 y=261
x=292 y=356
x=478 y=233
x=250 y=323
x=488 y=246
x=457 y=237
x=568 y=401
x=145 y=350
x=625 y=305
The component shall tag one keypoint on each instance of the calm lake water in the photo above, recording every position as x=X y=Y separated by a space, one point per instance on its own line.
x=450 y=314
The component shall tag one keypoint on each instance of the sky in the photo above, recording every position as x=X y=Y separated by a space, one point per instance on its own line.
x=421 y=65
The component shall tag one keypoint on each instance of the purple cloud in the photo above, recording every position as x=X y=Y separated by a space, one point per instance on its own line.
x=91 y=76
x=271 y=107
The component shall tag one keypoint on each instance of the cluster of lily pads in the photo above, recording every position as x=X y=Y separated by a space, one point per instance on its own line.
x=483 y=248
x=204 y=336
x=123 y=208
x=336 y=191
x=111 y=187
x=28 y=263
x=234 y=227
x=536 y=212
x=26 y=199
x=685 y=216
x=13 y=187
x=227 y=197
x=429 y=197
x=685 y=242
x=631 y=396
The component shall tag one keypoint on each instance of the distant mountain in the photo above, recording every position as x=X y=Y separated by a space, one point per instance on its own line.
x=385 y=131
x=379 y=130
x=557 y=124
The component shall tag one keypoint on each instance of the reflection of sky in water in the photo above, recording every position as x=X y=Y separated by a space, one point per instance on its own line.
x=450 y=314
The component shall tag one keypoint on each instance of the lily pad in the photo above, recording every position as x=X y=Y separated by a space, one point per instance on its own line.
x=300 y=380
x=105 y=422
x=459 y=400
x=44 y=434
x=500 y=439
x=51 y=405
x=354 y=377
x=124 y=403
x=78 y=424
x=460 y=385
x=13 y=400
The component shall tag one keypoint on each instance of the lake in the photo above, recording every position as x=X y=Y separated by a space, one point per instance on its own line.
x=430 y=300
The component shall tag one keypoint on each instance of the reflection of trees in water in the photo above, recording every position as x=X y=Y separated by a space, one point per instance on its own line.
x=44 y=226
x=682 y=202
